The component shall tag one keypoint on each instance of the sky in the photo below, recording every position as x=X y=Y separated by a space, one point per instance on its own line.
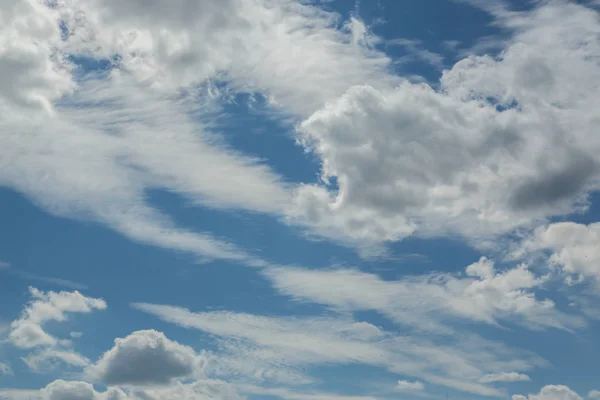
x=299 y=199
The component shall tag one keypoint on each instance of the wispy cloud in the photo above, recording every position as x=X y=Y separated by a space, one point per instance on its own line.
x=9 y=269
x=505 y=377
x=310 y=341
x=430 y=302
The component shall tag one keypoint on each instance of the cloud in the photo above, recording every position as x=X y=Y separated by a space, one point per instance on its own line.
x=410 y=386
x=416 y=52
x=551 y=392
x=594 y=394
x=144 y=358
x=143 y=115
x=430 y=302
x=505 y=377
x=19 y=394
x=77 y=390
x=197 y=390
x=5 y=369
x=295 y=395
x=572 y=247
x=6 y=267
x=47 y=358
x=469 y=158
x=81 y=390
x=300 y=342
x=27 y=331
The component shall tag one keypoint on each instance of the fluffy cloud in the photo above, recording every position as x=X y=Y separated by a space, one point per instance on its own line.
x=144 y=358
x=505 y=377
x=81 y=390
x=573 y=248
x=410 y=386
x=471 y=157
x=429 y=302
x=298 y=342
x=77 y=390
x=27 y=331
x=594 y=394
x=551 y=392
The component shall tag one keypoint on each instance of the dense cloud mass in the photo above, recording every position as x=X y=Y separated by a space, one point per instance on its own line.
x=145 y=357
x=551 y=392
x=506 y=141
x=77 y=390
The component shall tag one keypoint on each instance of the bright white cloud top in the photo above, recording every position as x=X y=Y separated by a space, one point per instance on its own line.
x=305 y=200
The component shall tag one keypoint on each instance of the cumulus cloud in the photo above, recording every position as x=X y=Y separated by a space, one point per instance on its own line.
x=81 y=390
x=551 y=392
x=400 y=158
x=594 y=394
x=573 y=249
x=145 y=358
x=410 y=386
x=77 y=390
x=27 y=331
x=470 y=157
x=505 y=377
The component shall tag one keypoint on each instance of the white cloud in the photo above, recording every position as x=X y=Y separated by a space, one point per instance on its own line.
x=5 y=369
x=77 y=390
x=410 y=386
x=145 y=358
x=19 y=394
x=197 y=390
x=505 y=377
x=76 y=335
x=46 y=359
x=81 y=390
x=416 y=52
x=573 y=248
x=429 y=302
x=299 y=342
x=412 y=159
x=594 y=394
x=27 y=331
x=551 y=392
x=288 y=394
x=130 y=130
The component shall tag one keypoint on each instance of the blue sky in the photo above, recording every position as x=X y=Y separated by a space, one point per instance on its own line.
x=299 y=200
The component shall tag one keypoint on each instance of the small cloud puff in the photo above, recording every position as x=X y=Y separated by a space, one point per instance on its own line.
x=411 y=386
